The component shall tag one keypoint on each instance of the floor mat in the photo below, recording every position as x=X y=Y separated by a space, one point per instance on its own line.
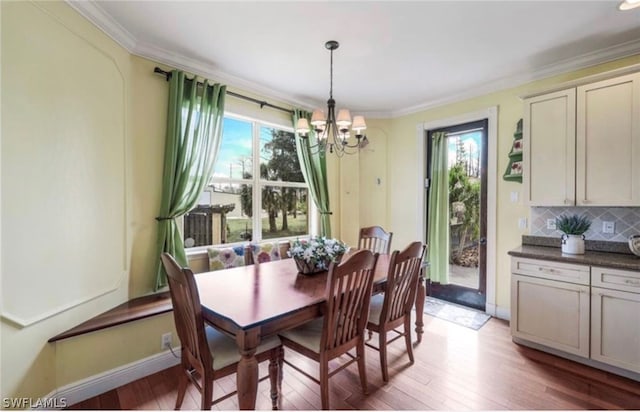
x=470 y=318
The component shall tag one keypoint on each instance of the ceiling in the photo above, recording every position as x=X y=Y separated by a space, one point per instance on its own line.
x=395 y=57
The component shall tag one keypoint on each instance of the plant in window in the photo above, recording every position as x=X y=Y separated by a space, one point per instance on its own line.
x=315 y=255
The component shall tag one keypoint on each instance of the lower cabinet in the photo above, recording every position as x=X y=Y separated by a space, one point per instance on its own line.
x=590 y=312
x=551 y=312
x=615 y=318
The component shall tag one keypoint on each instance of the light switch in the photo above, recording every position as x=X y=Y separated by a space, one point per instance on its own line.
x=522 y=223
x=514 y=197
x=551 y=224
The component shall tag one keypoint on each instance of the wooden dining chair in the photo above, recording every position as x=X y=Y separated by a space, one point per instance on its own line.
x=375 y=239
x=392 y=309
x=341 y=329
x=208 y=354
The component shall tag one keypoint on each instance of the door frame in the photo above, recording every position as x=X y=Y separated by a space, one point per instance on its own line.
x=491 y=114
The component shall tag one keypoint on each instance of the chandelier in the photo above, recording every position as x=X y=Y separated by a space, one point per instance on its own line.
x=332 y=131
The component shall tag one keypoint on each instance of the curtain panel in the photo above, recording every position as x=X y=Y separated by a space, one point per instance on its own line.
x=438 y=219
x=314 y=170
x=194 y=125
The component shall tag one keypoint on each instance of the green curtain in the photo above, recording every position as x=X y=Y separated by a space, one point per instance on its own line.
x=194 y=124
x=438 y=232
x=314 y=170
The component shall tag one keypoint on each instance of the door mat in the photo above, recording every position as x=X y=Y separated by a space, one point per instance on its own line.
x=463 y=316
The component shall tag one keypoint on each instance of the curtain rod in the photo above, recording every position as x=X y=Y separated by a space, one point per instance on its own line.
x=262 y=103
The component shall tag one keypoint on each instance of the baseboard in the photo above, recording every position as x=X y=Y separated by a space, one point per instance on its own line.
x=503 y=313
x=498 y=311
x=114 y=378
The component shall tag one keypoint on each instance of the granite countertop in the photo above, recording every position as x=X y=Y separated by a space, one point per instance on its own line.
x=599 y=255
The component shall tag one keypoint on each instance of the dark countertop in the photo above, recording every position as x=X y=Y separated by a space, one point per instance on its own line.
x=592 y=258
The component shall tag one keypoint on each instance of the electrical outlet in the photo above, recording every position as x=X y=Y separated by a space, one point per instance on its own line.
x=551 y=224
x=165 y=341
x=608 y=227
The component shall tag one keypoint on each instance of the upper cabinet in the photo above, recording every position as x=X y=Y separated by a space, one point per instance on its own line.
x=608 y=142
x=549 y=172
x=582 y=145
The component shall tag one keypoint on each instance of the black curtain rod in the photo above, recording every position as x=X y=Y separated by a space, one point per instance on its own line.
x=262 y=103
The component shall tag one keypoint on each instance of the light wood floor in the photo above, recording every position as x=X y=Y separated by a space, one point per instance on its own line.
x=456 y=368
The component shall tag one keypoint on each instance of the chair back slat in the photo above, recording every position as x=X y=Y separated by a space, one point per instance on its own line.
x=375 y=239
x=349 y=287
x=187 y=313
x=402 y=282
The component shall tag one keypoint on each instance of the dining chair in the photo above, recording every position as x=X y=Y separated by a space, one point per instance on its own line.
x=392 y=309
x=206 y=352
x=341 y=329
x=375 y=239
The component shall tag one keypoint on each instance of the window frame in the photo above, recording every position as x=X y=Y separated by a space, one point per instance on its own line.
x=257 y=183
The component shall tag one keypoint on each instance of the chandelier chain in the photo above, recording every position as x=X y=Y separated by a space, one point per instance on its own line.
x=331 y=77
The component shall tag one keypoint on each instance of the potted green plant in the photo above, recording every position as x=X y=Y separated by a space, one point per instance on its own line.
x=573 y=227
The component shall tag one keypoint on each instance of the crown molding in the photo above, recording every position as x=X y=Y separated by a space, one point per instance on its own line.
x=94 y=13
x=206 y=70
x=563 y=66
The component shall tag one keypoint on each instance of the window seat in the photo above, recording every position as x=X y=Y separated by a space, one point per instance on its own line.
x=135 y=309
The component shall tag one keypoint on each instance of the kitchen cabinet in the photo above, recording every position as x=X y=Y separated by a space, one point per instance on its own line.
x=582 y=145
x=615 y=318
x=589 y=312
x=548 y=308
x=549 y=152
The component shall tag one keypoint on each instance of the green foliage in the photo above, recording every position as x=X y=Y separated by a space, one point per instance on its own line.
x=573 y=224
x=283 y=166
x=467 y=191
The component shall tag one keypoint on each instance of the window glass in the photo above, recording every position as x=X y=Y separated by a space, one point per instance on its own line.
x=223 y=215
x=234 y=159
x=278 y=156
x=284 y=212
x=243 y=202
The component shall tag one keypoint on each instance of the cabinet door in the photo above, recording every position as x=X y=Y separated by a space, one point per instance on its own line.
x=549 y=149
x=551 y=313
x=615 y=328
x=608 y=142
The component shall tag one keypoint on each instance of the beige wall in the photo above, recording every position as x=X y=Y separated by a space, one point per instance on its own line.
x=404 y=170
x=65 y=193
x=87 y=121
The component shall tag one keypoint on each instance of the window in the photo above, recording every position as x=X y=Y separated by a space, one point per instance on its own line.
x=257 y=191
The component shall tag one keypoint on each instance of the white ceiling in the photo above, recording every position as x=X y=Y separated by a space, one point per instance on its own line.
x=395 y=57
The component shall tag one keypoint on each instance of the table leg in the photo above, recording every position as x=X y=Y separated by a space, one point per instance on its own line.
x=247 y=376
x=420 y=296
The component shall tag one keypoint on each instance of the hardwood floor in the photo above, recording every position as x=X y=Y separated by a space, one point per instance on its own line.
x=455 y=368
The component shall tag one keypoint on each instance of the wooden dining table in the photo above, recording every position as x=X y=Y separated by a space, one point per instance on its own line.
x=258 y=301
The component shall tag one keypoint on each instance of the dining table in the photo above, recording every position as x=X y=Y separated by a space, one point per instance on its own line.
x=257 y=301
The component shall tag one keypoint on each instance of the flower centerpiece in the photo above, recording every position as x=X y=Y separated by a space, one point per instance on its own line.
x=315 y=255
x=573 y=227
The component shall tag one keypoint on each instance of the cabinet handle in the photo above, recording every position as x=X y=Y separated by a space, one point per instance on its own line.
x=632 y=282
x=546 y=270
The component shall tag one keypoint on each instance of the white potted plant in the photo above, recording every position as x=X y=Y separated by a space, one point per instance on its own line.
x=573 y=227
x=315 y=255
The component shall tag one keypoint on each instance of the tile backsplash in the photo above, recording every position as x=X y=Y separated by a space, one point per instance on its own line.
x=626 y=219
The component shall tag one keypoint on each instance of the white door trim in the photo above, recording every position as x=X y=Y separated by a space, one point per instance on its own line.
x=490 y=113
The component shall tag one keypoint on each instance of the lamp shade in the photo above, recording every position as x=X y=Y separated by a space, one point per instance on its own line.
x=358 y=124
x=318 y=118
x=302 y=126
x=344 y=118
